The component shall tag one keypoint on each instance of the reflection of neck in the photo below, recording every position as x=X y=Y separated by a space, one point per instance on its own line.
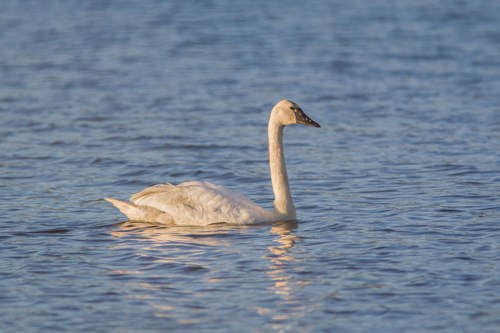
x=283 y=204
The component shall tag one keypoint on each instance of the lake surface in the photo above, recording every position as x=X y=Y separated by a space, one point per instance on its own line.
x=398 y=194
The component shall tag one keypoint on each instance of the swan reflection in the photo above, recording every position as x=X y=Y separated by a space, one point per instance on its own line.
x=280 y=255
x=177 y=234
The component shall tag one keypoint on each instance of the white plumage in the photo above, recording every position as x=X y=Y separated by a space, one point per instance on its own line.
x=203 y=203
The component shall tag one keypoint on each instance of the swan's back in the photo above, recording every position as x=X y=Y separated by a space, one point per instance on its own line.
x=200 y=203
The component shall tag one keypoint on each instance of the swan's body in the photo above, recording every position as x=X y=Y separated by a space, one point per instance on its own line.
x=200 y=203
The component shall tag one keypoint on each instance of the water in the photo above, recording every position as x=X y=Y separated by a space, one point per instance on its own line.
x=397 y=193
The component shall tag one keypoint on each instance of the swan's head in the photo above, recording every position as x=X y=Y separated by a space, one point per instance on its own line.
x=286 y=112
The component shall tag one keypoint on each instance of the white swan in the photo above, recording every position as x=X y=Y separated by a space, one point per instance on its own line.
x=201 y=203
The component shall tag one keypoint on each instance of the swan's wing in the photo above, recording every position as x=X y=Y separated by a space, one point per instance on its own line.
x=200 y=203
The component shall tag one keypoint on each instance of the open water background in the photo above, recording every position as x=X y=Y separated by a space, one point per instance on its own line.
x=397 y=193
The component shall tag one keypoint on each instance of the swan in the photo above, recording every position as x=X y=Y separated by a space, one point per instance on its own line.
x=197 y=203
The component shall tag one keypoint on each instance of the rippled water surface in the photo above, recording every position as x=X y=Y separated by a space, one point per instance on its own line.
x=397 y=194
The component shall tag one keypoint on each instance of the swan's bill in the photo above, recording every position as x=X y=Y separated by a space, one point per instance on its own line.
x=303 y=118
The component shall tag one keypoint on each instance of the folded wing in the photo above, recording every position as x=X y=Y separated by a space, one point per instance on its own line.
x=201 y=203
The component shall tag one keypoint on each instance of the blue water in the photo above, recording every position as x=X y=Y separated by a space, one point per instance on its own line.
x=398 y=194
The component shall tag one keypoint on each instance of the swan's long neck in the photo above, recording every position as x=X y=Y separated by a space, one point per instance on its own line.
x=283 y=203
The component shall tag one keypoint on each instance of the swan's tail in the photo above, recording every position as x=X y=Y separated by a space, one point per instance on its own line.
x=141 y=213
x=128 y=209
